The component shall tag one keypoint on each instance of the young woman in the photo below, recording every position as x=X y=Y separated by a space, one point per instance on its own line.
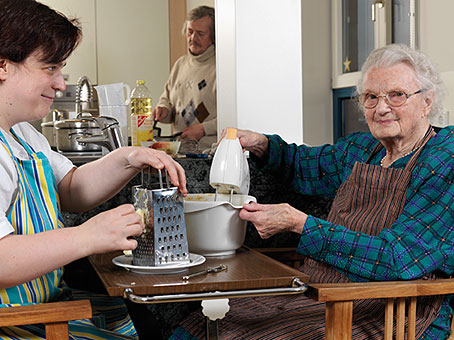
x=36 y=182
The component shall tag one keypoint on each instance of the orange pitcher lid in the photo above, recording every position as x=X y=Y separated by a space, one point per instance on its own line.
x=231 y=133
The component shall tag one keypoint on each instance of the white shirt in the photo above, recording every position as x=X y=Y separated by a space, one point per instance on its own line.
x=8 y=173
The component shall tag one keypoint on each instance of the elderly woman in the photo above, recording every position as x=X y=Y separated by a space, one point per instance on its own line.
x=36 y=181
x=393 y=213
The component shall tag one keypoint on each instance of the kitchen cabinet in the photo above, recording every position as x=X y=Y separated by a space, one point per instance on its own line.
x=84 y=59
x=133 y=43
x=123 y=41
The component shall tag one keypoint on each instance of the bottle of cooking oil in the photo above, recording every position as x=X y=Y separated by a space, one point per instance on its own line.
x=141 y=114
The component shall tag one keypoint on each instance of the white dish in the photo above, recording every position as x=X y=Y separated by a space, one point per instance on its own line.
x=125 y=261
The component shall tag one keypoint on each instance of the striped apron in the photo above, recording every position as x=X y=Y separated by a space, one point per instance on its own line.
x=370 y=200
x=34 y=209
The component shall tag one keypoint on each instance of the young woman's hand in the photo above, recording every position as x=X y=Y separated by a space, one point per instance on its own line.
x=141 y=158
x=112 y=230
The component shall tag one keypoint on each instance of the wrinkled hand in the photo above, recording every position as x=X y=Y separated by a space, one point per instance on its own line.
x=112 y=230
x=141 y=157
x=271 y=219
x=254 y=142
x=194 y=132
x=160 y=112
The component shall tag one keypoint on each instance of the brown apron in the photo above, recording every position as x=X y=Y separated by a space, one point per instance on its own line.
x=370 y=200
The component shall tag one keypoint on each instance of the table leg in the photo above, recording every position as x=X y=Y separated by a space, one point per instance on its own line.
x=214 y=310
x=212 y=330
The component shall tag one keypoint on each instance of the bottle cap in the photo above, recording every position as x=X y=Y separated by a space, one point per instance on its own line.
x=141 y=82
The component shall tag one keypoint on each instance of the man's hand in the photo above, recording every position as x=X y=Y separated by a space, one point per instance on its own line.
x=194 y=132
x=160 y=112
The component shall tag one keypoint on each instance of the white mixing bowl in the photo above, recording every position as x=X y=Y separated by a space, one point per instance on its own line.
x=214 y=228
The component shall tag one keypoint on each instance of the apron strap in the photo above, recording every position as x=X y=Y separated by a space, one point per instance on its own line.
x=414 y=159
x=412 y=163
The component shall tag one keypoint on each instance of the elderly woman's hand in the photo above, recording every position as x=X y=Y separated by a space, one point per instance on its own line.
x=254 y=142
x=271 y=219
x=141 y=158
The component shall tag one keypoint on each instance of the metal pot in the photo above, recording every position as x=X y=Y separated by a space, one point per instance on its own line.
x=49 y=132
x=47 y=125
x=69 y=130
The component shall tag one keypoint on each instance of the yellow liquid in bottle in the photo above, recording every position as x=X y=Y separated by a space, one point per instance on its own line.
x=141 y=120
x=141 y=106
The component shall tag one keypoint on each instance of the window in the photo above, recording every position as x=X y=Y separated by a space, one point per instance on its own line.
x=359 y=26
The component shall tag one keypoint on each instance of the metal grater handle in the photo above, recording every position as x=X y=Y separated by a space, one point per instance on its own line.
x=167 y=179
x=142 y=178
x=160 y=179
x=149 y=176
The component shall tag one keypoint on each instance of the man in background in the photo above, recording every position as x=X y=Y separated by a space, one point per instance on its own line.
x=189 y=97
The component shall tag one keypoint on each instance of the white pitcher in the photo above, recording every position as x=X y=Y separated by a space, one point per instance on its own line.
x=113 y=94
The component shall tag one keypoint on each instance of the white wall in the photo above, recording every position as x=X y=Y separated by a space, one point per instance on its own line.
x=190 y=4
x=317 y=94
x=435 y=30
x=259 y=72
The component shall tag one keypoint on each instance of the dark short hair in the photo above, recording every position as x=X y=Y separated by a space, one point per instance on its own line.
x=27 y=26
x=198 y=13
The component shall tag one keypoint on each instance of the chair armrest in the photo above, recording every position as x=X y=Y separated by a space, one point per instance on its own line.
x=374 y=290
x=53 y=312
x=339 y=303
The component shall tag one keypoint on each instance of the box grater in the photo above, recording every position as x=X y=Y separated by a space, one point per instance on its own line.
x=163 y=241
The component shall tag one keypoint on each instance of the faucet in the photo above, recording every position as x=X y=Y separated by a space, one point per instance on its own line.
x=110 y=138
x=84 y=94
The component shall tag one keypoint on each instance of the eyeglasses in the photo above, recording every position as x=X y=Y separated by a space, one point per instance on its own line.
x=393 y=98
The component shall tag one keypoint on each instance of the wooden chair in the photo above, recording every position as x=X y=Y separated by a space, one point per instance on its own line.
x=339 y=299
x=54 y=315
x=339 y=303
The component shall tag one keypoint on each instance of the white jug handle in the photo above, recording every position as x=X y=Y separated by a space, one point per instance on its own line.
x=128 y=93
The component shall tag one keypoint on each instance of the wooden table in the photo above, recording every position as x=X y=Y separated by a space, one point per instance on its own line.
x=247 y=269
x=249 y=273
